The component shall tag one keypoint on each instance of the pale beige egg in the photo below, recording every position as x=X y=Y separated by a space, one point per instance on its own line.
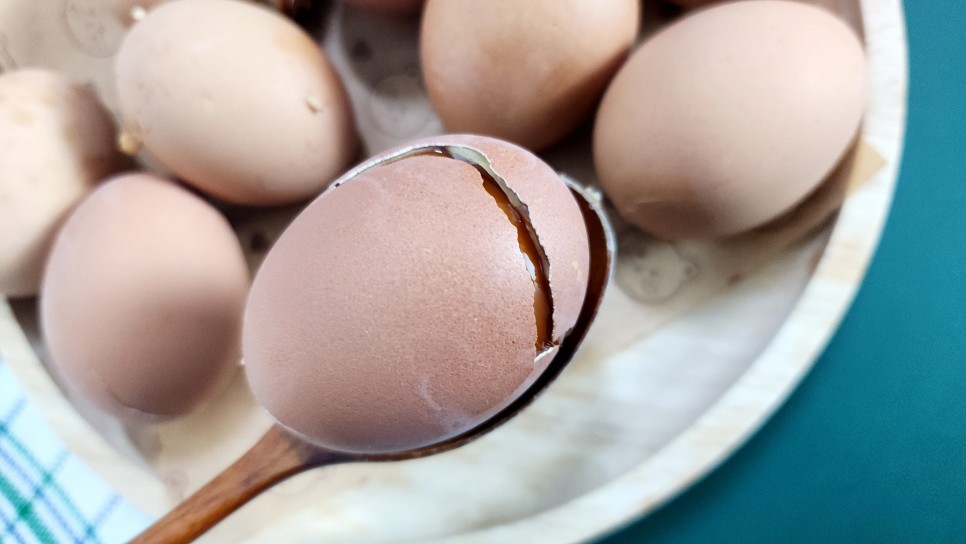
x=248 y=110
x=418 y=297
x=729 y=117
x=56 y=143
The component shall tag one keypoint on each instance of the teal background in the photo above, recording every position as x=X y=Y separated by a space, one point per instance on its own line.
x=872 y=446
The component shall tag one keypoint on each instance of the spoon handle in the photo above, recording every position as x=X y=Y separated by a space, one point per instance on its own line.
x=275 y=457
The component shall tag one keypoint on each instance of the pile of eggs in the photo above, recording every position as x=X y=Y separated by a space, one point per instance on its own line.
x=403 y=280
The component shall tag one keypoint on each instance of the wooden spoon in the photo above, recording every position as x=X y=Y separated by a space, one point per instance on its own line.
x=280 y=454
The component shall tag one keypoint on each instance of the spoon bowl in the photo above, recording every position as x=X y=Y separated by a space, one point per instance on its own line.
x=280 y=453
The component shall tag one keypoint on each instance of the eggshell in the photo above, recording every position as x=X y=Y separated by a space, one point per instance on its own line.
x=729 y=117
x=248 y=109
x=528 y=72
x=396 y=311
x=56 y=143
x=143 y=298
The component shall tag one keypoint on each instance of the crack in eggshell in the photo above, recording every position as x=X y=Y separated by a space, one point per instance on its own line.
x=478 y=158
x=540 y=276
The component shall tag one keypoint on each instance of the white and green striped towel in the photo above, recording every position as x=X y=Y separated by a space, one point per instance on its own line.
x=47 y=494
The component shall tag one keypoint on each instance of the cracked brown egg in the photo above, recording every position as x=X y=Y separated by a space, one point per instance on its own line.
x=417 y=297
x=56 y=143
x=235 y=99
x=142 y=300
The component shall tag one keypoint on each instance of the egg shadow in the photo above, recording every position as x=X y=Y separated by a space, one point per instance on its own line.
x=378 y=47
x=312 y=15
x=818 y=209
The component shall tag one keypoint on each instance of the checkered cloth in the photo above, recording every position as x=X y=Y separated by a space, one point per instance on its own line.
x=48 y=495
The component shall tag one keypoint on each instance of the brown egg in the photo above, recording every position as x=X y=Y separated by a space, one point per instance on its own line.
x=143 y=298
x=388 y=7
x=56 y=143
x=404 y=306
x=729 y=117
x=250 y=112
x=528 y=72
